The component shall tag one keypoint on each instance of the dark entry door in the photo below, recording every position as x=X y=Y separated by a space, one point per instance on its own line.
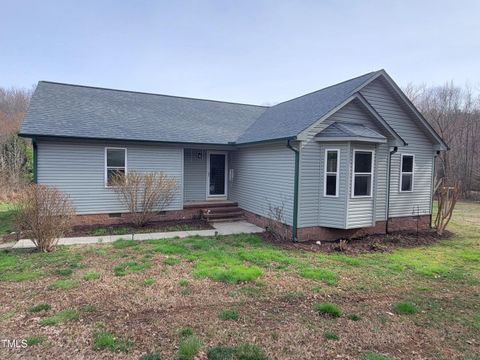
x=217 y=173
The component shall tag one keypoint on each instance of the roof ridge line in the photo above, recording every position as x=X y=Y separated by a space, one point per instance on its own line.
x=150 y=93
x=326 y=87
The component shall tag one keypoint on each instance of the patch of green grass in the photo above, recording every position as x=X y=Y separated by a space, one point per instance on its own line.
x=328 y=309
x=99 y=232
x=353 y=317
x=326 y=276
x=227 y=272
x=221 y=353
x=88 y=308
x=183 y=282
x=64 y=272
x=250 y=352
x=35 y=340
x=374 y=356
x=7 y=316
x=330 y=335
x=171 y=261
x=149 y=282
x=169 y=248
x=150 y=356
x=122 y=244
x=60 y=317
x=40 y=307
x=63 y=284
x=7 y=213
x=188 y=348
x=104 y=340
x=185 y=332
x=405 y=308
x=130 y=267
x=91 y=276
x=229 y=314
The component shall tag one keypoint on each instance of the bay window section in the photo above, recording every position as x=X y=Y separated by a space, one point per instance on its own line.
x=332 y=166
x=362 y=177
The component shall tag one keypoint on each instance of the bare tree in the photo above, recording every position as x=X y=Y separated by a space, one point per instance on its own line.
x=454 y=112
x=447 y=198
x=144 y=193
x=44 y=214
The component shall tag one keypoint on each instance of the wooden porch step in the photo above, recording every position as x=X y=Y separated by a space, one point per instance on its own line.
x=219 y=210
x=238 y=218
x=223 y=213
x=226 y=215
x=209 y=204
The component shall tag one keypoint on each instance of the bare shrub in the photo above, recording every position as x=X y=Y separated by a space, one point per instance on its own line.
x=341 y=246
x=44 y=214
x=144 y=193
x=447 y=197
x=276 y=220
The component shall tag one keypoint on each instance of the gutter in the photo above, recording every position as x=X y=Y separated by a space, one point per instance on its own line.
x=295 y=191
x=35 y=161
x=395 y=149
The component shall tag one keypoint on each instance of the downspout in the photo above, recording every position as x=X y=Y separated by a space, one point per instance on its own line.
x=295 y=191
x=395 y=149
x=35 y=161
x=434 y=172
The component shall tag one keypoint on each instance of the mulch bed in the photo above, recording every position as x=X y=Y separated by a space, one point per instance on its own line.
x=362 y=245
x=152 y=227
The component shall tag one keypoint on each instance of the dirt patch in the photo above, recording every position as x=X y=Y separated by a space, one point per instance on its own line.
x=128 y=228
x=362 y=245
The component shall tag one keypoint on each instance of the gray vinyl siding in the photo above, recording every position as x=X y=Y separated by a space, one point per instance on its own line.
x=77 y=169
x=317 y=210
x=263 y=176
x=388 y=106
x=361 y=210
x=195 y=174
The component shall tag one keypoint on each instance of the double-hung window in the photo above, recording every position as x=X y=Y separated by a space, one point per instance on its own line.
x=115 y=164
x=332 y=166
x=407 y=163
x=362 y=178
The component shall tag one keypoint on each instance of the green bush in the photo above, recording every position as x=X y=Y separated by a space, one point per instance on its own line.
x=40 y=307
x=405 y=308
x=60 y=318
x=250 y=352
x=221 y=353
x=328 y=309
x=228 y=315
x=91 y=276
x=35 y=340
x=104 y=340
x=353 y=317
x=188 y=348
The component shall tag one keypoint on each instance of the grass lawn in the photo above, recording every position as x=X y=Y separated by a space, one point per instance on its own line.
x=6 y=219
x=235 y=297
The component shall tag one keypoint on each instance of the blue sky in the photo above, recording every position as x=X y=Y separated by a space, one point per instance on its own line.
x=246 y=51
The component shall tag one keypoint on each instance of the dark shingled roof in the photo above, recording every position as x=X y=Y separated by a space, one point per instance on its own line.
x=79 y=111
x=349 y=130
x=65 y=110
x=291 y=117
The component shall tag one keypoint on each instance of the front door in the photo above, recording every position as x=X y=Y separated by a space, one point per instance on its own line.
x=217 y=174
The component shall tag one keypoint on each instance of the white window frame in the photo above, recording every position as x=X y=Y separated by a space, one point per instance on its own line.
x=372 y=174
x=106 y=168
x=336 y=173
x=406 y=173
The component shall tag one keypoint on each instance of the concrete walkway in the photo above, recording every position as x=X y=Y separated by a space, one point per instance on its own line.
x=226 y=228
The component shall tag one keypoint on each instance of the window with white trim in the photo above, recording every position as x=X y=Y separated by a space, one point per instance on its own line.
x=115 y=164
x=362 y=177
x=332 y=166
x=406 y=172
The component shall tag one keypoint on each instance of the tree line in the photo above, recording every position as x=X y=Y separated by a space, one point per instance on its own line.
x=452 y=110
